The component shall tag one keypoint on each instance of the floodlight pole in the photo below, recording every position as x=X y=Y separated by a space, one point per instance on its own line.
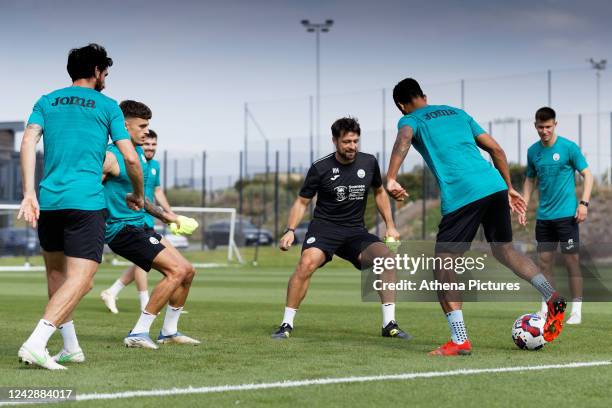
x=318 y=28
x=598 y=66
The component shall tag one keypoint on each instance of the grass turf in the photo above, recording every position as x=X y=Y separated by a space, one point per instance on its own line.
x=234 y=310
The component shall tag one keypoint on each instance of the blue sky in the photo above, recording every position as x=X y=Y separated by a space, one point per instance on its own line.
x=196 y=63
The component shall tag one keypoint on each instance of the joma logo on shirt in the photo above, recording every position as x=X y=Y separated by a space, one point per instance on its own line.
x=438 y=113
x=74 y=100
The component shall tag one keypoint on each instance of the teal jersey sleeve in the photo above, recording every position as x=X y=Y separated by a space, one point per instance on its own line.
x=117 y=123
x=531 y=171
x=477 y=130
x=37 y=117
x=577 y=158
x=408 y=120
x=157 y=182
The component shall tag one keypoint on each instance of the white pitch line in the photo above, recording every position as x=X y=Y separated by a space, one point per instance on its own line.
x=326 y=381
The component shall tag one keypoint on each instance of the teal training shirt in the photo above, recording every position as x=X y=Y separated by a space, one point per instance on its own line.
x=115 y=190
x=446 y=138
x=76 y=124
x=152 y=181
x=555 y=167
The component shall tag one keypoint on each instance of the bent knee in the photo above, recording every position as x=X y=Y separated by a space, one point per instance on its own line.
x=190 y=272
x=306 y=268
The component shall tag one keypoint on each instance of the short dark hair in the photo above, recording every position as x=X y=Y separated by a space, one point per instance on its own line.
x=406 y=90
x=152 y=134
x=82 y=62
x=343 y=126
x=544 y=114
x=134 y=109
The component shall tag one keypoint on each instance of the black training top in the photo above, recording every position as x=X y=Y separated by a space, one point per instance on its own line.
x=341 y=189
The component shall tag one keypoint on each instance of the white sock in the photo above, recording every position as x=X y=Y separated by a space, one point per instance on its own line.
x=543 y=307
x=143 y=325
x=71 y=343
x=289 y=316
x=116 y=288
x=388 y=313
x=171 y=320
x=457 y=326
x=577 y=306
x=40 y=336
x=144 y=298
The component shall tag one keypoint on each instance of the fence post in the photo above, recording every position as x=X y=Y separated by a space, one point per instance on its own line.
x=165 y=172
x=288 y=185
x=519 y=140
x=276 y=196
x=377 y=215
x=240 y=185
x=203 y=226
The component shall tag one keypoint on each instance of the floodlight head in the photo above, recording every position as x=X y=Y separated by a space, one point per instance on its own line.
x=329 y=22
x=325 y=29
x=305 y=22
x=311 y=30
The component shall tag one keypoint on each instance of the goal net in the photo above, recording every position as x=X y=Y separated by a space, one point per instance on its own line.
x=213 y=244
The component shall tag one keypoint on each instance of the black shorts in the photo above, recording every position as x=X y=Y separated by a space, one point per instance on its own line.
x=550 y=232
x=346 y=242
x=458 y=228
x=138 y=245
x=76 y=233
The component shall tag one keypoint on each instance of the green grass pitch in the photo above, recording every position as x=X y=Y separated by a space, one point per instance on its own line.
x=234 y=310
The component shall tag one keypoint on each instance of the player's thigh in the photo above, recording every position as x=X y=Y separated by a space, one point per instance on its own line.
x=138 y=246
x=55 y=262
x=311 y=259
x=569 y=235
x=170 y=260
x=457 y=229
x=80 y=268
x=51 y=230
x=546 y=236
x=84 y=234
x=323 y=236
x=497 y=219
x=360 y=248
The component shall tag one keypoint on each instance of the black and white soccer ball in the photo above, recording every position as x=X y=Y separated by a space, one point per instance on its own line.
x=527 y=332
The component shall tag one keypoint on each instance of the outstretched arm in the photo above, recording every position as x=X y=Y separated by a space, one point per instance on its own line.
x=29 y=209
x=488 y=144
x=295 y=216
x=582 y=210
x=398 y=154
x=159 y=213
x=527 y=191
x=161 y=198
x=384 y=208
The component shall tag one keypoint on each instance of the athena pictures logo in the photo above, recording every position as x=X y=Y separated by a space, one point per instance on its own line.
x=556 y=157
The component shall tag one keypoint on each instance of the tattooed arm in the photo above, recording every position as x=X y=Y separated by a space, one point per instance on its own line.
x=29 y=209
x=159 y=213
x=398 y=154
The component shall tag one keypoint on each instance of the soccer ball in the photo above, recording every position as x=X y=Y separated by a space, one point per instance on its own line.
x=527 y=332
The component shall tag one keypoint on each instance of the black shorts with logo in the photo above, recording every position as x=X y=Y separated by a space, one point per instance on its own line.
x=76 y=233
x=458 y=228
x=346 y=242
x=139 y=245
x=564 y=230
